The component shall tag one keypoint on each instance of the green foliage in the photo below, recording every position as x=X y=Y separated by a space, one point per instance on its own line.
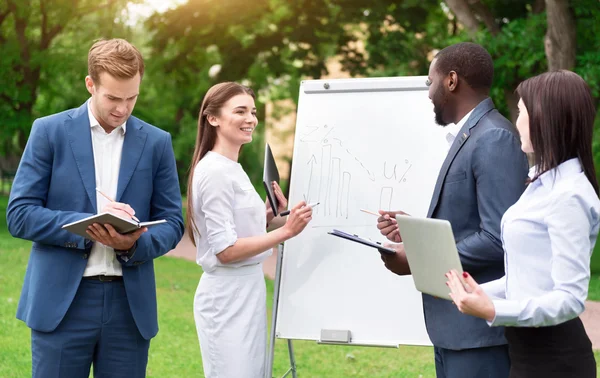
x=268 y=43
x=43 y=47
x=270 y=46
x=518 y=55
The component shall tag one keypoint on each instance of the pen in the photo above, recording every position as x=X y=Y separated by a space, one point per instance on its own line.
x=370 y=212
x=112 y=200
x=287 y=212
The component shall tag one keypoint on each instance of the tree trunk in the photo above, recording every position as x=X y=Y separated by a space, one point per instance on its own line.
x=560 y=41
x=484 y=14
x=464 y=14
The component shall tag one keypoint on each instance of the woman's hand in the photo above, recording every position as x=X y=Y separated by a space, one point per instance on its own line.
x=299 y=217
x=469 y=297
x=282 y=202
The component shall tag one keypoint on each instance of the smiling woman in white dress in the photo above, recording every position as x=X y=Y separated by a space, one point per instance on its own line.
x=548 y=237
x=227 y=221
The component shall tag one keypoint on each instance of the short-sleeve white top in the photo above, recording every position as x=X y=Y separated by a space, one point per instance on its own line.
x=225 y=207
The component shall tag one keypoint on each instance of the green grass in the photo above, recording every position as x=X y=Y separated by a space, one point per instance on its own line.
x=175 y=351
x=594 y=290
x=595 y=263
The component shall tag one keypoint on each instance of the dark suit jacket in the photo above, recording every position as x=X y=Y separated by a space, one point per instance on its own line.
x=483 y=175
x=55 y=185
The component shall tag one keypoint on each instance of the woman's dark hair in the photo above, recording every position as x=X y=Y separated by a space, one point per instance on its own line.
x=206 y=137
x=561 y=121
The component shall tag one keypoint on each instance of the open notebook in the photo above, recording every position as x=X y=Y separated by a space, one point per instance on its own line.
x=122 y=225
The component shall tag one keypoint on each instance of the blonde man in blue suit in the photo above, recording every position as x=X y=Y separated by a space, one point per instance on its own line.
x=92 y=301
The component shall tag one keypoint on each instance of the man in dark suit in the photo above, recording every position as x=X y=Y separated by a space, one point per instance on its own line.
x=483 y=175
x=93 y=300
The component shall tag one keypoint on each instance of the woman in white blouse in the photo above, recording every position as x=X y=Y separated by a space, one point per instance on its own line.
x=227 y=221
x=548 y=237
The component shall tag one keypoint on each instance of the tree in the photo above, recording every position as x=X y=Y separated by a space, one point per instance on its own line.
x=262 y=44
x=43 y=47
x=561 y=35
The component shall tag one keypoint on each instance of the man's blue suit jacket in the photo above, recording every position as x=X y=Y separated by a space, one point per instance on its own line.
x=55 y=185
x=484 y=174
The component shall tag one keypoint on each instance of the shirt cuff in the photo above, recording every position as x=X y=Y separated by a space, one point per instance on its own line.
x=507 y=313
x=127 y=255
x=221 y=241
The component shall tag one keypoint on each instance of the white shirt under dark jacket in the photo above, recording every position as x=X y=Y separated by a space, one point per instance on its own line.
x=548 y=238
x=107 y=162
x=454 y=128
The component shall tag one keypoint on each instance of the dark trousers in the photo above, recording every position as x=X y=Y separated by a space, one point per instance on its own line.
x=489 y=362
x=560 y=351
x=97 y=330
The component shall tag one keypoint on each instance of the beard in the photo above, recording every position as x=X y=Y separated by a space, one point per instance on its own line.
x=440 y=101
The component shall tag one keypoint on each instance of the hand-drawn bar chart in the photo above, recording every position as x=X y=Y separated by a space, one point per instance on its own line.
x=332 y=166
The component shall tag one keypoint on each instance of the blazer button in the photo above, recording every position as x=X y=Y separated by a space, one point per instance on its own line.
x=85 y=256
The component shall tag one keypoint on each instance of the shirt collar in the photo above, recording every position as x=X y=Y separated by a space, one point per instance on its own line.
x=564 y=171
x=453 y=129
x=94 y=122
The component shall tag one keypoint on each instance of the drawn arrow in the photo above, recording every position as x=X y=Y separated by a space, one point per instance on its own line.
x=312 y=161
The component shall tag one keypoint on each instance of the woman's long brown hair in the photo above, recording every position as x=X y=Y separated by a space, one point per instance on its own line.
x=561 y=121
x=206 y=137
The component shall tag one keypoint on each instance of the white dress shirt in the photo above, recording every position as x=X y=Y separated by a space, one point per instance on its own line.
x=548 y=238
x=226 y=207
x=454 y=128
x=107 y=162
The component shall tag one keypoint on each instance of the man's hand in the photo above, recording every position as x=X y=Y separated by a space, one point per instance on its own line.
x=388 y=226
x=120 y=209
x=107 y=235
x=396 y=263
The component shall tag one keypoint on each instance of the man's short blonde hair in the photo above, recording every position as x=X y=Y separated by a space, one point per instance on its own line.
x=117 y=57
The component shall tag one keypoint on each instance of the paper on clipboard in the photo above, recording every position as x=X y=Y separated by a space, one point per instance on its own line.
x=358 y=239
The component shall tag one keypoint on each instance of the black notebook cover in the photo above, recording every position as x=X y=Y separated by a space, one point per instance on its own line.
x=270 y=174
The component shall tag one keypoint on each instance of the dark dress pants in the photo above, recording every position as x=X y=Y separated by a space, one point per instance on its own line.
x=99 y=330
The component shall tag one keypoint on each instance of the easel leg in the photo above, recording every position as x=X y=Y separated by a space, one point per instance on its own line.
x=271 y=348
x=292 y=359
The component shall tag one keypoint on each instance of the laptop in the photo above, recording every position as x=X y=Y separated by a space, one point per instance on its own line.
x=431 y=253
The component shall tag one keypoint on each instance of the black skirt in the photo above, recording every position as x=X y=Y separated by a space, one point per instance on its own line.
x=560 y=351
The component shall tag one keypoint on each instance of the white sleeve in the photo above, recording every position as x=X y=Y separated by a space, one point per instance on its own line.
x=496 y=288
x=570 y=225
x=216 y=196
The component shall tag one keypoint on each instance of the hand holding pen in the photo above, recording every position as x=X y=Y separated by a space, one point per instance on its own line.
x=287 y=212
x=299 y=217
x=117 y=208
x=387 y=224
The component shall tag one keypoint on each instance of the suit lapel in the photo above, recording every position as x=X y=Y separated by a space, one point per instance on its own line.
x=480 y=110
x=80 y=139
x=133 y=146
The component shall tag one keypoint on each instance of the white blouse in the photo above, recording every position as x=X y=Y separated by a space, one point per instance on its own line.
x=548 y=238
x=226 y=207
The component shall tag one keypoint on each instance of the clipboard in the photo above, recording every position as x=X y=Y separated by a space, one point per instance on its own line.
x=270 y=174
x=121 y=225
x=358 y=239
